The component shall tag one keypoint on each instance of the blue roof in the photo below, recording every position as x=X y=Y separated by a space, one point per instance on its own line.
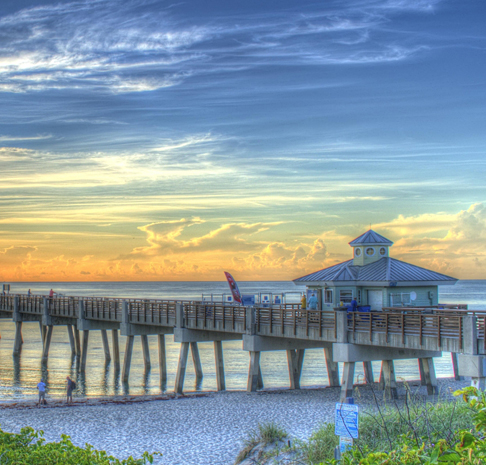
x=371 y=238
x=385 y=269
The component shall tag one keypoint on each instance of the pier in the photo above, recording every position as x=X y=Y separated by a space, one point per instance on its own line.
x=348 y=337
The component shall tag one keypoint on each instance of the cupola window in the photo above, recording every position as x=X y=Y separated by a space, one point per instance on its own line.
x=370 y=251
x=357 y=251
x=382 y=251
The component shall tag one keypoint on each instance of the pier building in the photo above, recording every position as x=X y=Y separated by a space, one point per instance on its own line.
x=375 y=279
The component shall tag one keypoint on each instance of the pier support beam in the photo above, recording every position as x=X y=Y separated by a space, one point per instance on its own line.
x=84 y=352
x=430 y=379
x=368 y=372
x=197 y=362
x=116 y=348
x=77 y=341
x=47 y=343
x=71 y=339
x=254 y=373
x=18 y=338
x=348 y=381
x=127 y=359
x=162 y=360
x=332 y=368
x=455 y=367
x=388 y=368
x=181 y=368
x=106 y=346
x=475 y=367
x=295 y=359
x=218 y=359
x=146 y=352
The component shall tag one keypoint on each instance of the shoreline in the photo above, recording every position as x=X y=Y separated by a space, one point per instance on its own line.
x=204 y=428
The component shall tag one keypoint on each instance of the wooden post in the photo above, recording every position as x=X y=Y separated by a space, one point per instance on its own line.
x=381 y=381
x=260 y=378
x=106 y=346
x=47 y=343
x=368 y=372
x=429 y=374
x=84 y=352
x=332 y=368
x=422 y=372
x=455 y=367
x=71 y=339
x=348 y=380
x=42 y=332
x=218 y=358
x=197 y=362
x=146 y=352
x=116 y=348
x=162 y=360
x=18 y=338
x=294 y=372
x=254 y=372
x=127 y=359
x=181 y=367
x=77 y=340
x=389 y=379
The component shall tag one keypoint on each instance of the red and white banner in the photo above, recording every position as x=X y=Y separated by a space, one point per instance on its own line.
x=234 y=287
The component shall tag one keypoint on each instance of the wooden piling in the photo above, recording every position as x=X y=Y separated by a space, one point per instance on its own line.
x=127 y=359
x=422 y=372
x=71 y=339
x=18 y=338
x=47 y=343
x=455 y=367
x=218 y=358
x=106 y=346
x=116 y=348
x=368 y=372
x=197 y=362
x=77 y=341
x=429 y=375
x=181 y=368
x=254 y=372
x=348 y=380
x=146 y=352
x=332 y=368
x=162 y=360
x=84 y=351
x=294 y=372
x=389 y=379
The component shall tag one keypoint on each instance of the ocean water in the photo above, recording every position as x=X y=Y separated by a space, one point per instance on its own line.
x=19 y=375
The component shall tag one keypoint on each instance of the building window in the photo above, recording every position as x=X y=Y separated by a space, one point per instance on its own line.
x=357 y=251
x=359 y=296
x=345 y=296
x=370 y=251
x=328 y=296
x=382 y=251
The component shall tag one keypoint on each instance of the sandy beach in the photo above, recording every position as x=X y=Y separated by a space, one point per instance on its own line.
x=190 y=429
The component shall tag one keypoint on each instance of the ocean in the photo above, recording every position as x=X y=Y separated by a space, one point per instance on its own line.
x=19 y=375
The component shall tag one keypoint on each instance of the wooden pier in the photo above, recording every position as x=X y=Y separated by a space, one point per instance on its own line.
x=388 y=335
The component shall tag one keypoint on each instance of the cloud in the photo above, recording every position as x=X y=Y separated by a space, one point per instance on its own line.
x=121 y=47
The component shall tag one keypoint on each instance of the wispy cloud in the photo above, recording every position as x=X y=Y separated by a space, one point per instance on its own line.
x=119 y=47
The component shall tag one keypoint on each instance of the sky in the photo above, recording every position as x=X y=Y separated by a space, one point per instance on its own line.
x=166 y=141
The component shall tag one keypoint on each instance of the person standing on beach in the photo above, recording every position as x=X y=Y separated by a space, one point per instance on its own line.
x=41 y=386
x=71 y=385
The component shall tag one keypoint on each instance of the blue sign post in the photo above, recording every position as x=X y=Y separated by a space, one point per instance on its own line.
x=346 y=425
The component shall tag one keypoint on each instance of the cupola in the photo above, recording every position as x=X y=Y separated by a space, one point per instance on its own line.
x=369 y=248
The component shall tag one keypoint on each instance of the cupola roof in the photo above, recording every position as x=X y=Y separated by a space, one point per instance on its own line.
x=370 y=238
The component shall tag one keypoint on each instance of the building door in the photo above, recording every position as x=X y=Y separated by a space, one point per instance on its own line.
x=375 y=300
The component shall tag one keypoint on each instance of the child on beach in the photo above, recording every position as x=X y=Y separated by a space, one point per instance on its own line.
x=71 y=386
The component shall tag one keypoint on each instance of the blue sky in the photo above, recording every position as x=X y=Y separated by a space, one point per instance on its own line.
x=159 y=140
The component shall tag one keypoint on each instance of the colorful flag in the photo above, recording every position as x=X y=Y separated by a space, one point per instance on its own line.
x=234 y=287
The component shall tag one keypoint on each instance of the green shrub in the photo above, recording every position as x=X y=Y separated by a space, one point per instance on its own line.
x=30 y=448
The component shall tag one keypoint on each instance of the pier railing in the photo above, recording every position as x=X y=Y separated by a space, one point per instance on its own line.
x=158 y=312
x=213 y=315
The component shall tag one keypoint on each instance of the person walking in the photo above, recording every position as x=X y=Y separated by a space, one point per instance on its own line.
x=71 y=386
x=51 y=294
x=41 y=386
x=29 y=293
x=303 y=302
